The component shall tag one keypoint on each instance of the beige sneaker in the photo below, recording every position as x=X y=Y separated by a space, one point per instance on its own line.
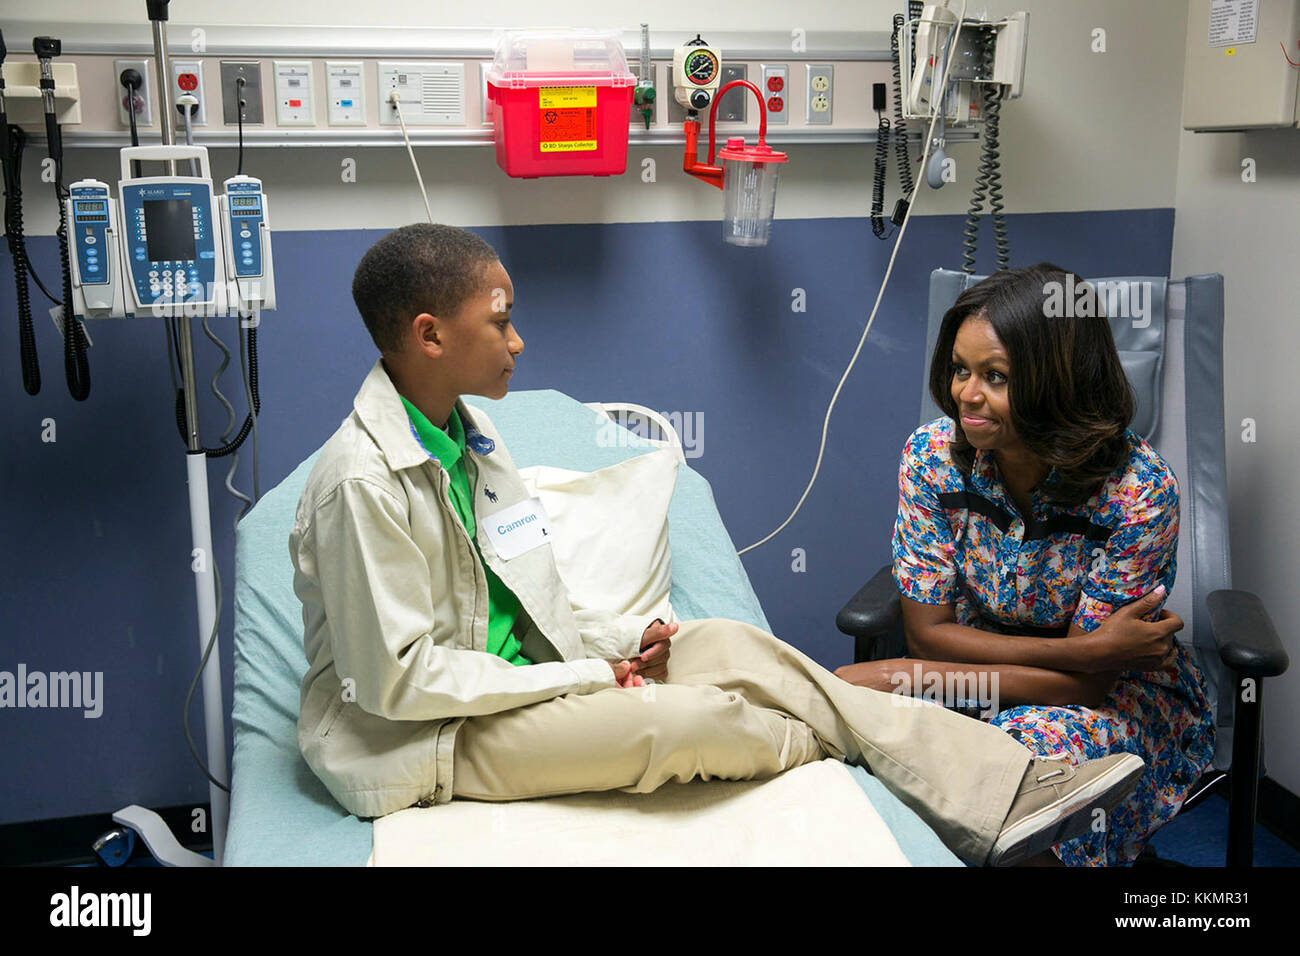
x=1056 y=800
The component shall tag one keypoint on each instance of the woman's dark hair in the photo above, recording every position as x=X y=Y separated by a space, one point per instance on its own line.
x=1070 y=400
x=426 y=267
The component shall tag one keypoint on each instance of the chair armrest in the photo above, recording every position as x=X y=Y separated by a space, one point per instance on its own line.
x=1248 y=642
x=874 y=612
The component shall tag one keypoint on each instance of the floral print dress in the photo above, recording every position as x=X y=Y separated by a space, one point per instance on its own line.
x=962 y=541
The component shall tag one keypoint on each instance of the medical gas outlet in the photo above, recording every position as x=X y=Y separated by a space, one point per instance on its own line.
x=294 y=93
x=697 y=74
x=141 y=97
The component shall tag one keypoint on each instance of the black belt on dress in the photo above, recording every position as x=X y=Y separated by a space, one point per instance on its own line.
x=1028 y=630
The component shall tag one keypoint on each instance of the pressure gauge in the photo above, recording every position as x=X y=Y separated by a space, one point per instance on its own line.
x=697 y=73
x=701 y=67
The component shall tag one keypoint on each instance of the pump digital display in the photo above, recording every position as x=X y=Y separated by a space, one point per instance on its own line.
x=240 y=202
x=169 y=228
x=97 y=206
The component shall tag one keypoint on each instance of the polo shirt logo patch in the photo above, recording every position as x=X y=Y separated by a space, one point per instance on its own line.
x=480 y=444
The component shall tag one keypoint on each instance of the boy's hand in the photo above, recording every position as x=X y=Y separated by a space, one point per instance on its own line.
x=624 y=675
x=656 y=646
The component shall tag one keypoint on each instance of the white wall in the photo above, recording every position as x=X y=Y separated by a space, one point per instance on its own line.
x=1247 y=231
x=1093 y=130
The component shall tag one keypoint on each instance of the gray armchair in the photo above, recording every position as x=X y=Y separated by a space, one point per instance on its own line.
x=1228 y=631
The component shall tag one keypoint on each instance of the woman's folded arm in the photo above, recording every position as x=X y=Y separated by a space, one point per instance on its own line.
x=933 y=634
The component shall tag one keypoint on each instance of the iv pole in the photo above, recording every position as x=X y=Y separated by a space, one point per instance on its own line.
x=157 y=837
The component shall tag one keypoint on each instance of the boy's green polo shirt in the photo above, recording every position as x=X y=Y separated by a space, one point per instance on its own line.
x=449 y=448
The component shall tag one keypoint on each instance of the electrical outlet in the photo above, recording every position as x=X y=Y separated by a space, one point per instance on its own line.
x=187 y=78
x=776 y=90
x=251 y=92
x=143 y=96
x=733 y=107
x=821 y=94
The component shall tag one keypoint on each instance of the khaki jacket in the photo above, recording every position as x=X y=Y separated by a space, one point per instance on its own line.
x=395 y=609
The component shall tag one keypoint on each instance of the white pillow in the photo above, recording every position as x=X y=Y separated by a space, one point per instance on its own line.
x=611 y=532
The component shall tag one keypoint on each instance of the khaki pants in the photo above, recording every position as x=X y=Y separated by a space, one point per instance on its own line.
x=738 y=705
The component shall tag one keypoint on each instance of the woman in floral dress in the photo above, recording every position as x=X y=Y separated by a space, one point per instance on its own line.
x=1028 y=517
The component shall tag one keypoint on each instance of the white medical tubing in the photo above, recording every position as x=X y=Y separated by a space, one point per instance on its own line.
x=826 y=423
x=395 y=99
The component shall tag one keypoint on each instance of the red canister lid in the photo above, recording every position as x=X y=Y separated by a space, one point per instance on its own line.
x=760 y=153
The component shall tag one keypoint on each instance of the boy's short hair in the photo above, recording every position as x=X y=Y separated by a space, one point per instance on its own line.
x=425 y=267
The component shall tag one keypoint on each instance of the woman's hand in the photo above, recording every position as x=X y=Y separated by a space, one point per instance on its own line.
x=1127 y=642
x=877 y=675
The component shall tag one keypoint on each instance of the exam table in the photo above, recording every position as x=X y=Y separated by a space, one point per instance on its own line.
x=280 y=814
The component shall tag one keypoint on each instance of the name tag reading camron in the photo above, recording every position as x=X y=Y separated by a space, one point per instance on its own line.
x=518 y=529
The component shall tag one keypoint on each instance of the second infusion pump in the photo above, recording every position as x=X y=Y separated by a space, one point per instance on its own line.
x=169 y=246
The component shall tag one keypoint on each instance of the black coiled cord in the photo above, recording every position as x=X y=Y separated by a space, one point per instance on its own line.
x=13 y=173
x=76 y=368
x=878 y=178
x=991 y=168
x=231 y=446
x=900 y=124
x=897 y=131
x=988 y=178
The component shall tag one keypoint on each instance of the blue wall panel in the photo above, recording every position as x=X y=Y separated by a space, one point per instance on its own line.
x=96 y=562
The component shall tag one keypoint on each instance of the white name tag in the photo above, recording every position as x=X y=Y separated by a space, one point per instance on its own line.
x=518 y=529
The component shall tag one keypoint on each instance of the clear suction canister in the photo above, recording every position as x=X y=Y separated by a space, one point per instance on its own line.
x=749 y=177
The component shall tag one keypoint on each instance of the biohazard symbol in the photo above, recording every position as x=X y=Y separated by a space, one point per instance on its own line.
x=551 y=116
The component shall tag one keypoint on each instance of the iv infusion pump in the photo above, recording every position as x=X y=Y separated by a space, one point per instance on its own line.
x=169 y=246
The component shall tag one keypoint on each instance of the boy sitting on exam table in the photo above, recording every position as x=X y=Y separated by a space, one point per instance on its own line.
x=445 y=658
